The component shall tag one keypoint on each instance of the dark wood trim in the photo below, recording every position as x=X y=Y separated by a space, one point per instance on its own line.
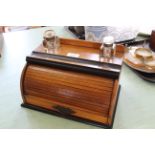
x=73 y=67
x=74 y=60
x=75 y=118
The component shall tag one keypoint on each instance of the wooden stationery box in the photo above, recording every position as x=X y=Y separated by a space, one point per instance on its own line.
x=73 y=82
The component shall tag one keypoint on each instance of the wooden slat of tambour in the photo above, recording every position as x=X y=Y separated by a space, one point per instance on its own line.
x=81 y=95
x=100 y=110
x=30 y=84
x=78 y=102
x=83 y=113
x=100 y=85
x=85 y=99
x=62 y=89
x=69 y=77
x=83 y=83
x=113 y=102
x=84 y=86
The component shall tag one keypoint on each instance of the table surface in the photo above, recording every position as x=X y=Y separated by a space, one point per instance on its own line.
x=136 y=103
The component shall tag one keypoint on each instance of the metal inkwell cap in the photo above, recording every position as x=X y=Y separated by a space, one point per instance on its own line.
x=108 y=40
x=49 y=35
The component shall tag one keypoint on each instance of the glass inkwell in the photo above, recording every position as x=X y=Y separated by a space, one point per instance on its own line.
x=51 y=42
x=107 y=48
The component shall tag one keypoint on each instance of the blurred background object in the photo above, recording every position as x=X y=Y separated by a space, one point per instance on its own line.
x=1 y=39
x=152 y=40
x=18 y=28
x=97 y=33
x=77 y=31
x=1 y=43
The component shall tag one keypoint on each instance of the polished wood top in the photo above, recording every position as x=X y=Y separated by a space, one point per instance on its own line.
x=84 y=50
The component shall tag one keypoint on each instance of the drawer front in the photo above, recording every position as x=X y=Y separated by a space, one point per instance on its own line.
x=81 y=90
x=66 y=109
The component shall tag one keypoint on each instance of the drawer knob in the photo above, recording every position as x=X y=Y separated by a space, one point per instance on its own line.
x=63 y=110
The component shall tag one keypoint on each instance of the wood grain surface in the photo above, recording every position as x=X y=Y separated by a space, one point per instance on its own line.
x=68 y=90
x=84 y=50
x=86 y=91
